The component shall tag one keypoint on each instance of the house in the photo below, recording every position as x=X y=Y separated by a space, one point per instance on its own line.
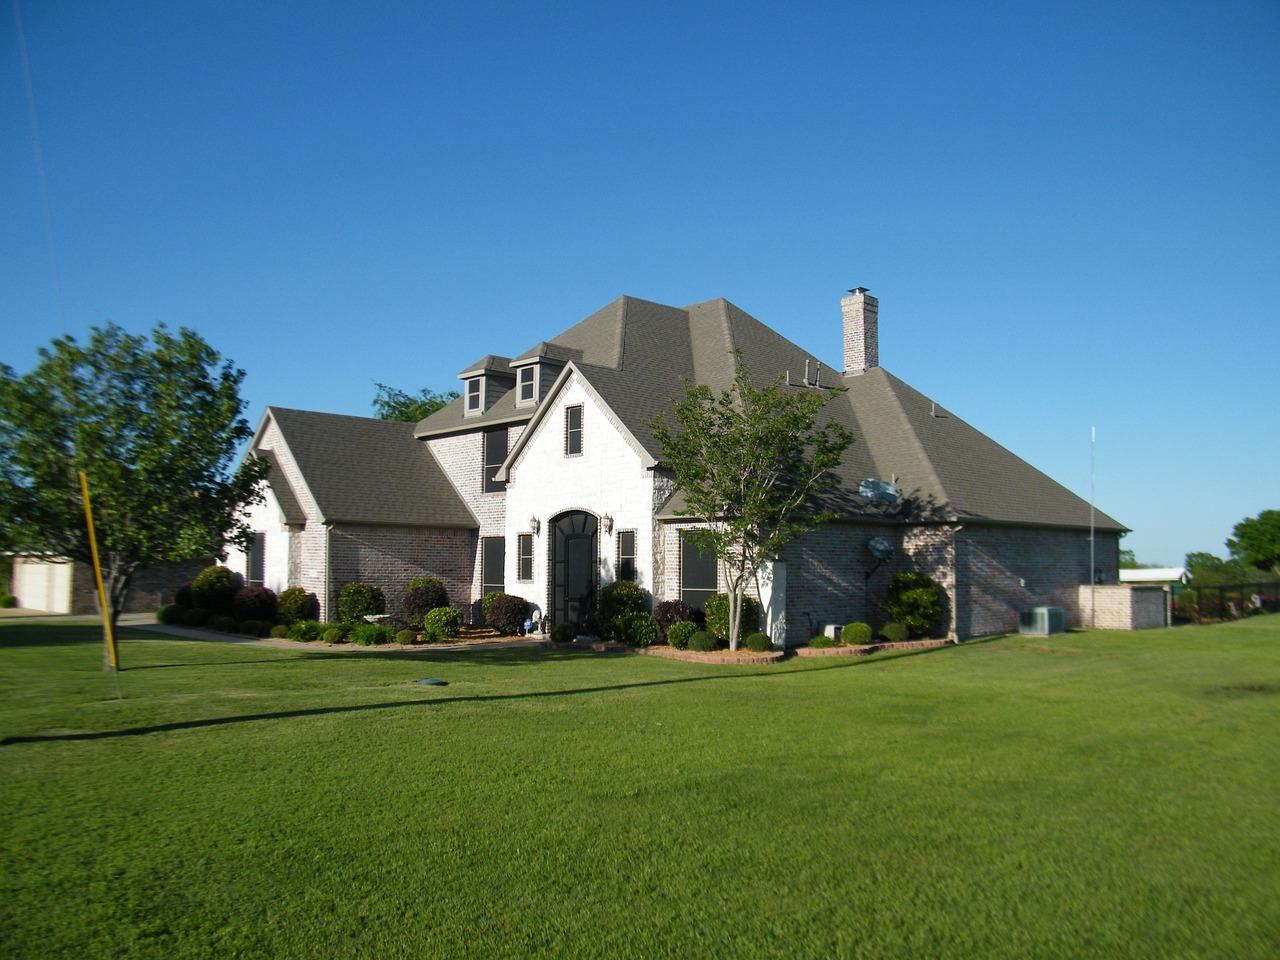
x=543 y=479
x=53 y=584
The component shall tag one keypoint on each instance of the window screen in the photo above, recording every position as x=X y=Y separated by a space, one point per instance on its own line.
x=493 y=557
x=573 y=431
x=524 y=557
x=697 y=573
x=495 y=451
x=627 y=555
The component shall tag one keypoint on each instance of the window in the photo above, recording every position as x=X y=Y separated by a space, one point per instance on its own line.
x=257 y=554
x=473 y=395
x=573 y=431
x=698 y=580
x=493 y=557
x=524 y=556
x=527 y=392
x=495 y=451
x=627 y=555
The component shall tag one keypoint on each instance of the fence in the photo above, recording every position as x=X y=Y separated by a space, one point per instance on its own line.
x=1227 y=601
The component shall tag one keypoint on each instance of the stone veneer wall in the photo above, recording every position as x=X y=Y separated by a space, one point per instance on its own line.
x=1122 y=607
x=1001 y=571
x=389 y=557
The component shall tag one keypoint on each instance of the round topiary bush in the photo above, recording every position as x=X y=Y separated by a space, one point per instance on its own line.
x=8 y=601
x=406 y=637
x=196 y=617
x=183 y=596
x=214 y=589
x=296 y=604
x=507 y=614
x=171 y=615
x=423 y=582
x=758 y=643
x=670 y=612
x=564 y=633
x=894 y=632
x=678 y=634
x=421 y=600
x=618 y=602
x=334 y=635
x=915 y=601
x=823 y=642
x=640 y=630
x=254 y=603
x=359 y=600
x=224 y=624
x=442 y=623
x=717 y=611
x=703 y=641
x=856 y=634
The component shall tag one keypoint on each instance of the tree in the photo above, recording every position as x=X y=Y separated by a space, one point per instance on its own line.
x=1256 y=541
x=154 y=426
x=752 y=464
x=1205 y=569
x=393 y=404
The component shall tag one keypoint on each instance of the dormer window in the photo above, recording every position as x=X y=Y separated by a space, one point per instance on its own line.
x=475 y=401
x=527 y=390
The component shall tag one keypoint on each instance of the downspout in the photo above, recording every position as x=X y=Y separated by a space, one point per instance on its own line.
x=328 y=567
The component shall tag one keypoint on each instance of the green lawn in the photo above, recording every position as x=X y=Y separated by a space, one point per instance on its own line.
x=1093 y=795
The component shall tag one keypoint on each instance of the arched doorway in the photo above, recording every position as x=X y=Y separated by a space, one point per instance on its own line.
x=573 y=568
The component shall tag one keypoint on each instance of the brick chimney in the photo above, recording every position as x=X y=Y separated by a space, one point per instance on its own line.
x=860 y=311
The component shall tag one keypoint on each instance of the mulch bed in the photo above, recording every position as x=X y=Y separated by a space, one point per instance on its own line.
x=866 y=649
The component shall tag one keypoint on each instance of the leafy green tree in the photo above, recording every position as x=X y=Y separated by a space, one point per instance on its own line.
x=1206 y=569
x=1256 y=541
x=751 y=464
x=154 y=424
x=393 y=404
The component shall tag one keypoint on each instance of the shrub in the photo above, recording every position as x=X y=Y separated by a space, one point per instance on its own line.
x=640 y=630
x=8 y=601
x=421 y=600
x=224 y=624
x=618 y=602
x=280 y=631
x=442 y=623
x=183 y=596
x=370 y=634
x=894 y=632
x=359 y=600
x=564 y=633
x=915 y=600
x=670 y=612
x=305 y=630
x=507 y=614
x=856 y=634
x=214 y=588
x=486 y=601
x=196 y=617
x=823 y=642
x=703 y=642
x=717 y=611
x=406 y=637
x=255 y=603
x=759 y=643
x=422 y=582
x=249 y=628
x=334 y=635
x=296 y=604
x=678 y=634
x=1185 y=605
x=170 y=615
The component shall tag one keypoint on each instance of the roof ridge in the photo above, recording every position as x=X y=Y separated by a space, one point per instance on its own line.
x=892 y=382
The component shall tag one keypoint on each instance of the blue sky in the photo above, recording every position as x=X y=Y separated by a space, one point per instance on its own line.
x=1070 y=212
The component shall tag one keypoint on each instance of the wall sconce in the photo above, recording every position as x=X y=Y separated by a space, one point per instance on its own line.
x=607 y=522
x=535 y=525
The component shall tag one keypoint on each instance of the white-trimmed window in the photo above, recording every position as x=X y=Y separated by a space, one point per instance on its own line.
x=527 y=385
x=495 y=451
x=699 y=580
x=573 y=431
x=524 y=556
x=626 y=555
x=475 y=396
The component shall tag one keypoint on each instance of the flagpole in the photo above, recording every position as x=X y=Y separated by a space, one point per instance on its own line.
x=111 y=654
x=1093 y=492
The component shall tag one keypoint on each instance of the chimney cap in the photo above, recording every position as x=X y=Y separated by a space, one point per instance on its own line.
x=858 y=290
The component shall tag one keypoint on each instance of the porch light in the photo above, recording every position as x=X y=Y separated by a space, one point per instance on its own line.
x=535 y=525
x=607 y=522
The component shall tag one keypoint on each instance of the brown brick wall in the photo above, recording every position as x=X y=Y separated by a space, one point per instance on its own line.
x=389 y=557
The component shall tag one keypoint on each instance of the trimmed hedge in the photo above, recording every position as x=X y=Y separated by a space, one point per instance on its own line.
x=254 y=603
x=406 y=637
x=670 y=612
x=678 y=634
x=758 y=643
x=640 y=630
x=359 y=600
x=296 y=604
x=507 y=614
x=8 y=601
x=618 y=602
x=894 y=632
x=823 y=642
x=214 y=589
x=421 y=600
x=717 y=611
x=171 y=615
x=856 y=634
x=442 y=623
x=704 y=642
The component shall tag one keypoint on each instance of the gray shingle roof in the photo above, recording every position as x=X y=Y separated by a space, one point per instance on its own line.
x=637 y=355
x=361 y=470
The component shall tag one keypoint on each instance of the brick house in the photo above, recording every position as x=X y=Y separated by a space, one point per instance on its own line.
x=543 y=479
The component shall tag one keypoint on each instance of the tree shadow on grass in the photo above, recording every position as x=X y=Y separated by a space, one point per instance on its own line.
x=764 y=674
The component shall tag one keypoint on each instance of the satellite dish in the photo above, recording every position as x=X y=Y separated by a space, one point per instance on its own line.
x=880 y=548
x=872 y=490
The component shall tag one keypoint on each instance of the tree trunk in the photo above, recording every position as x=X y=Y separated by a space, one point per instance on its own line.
x=117 y=579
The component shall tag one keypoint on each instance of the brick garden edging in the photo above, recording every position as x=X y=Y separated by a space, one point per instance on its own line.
x=772 y=656
x=867 y=649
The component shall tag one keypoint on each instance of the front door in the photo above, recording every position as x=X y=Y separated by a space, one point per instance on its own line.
x=573 y=569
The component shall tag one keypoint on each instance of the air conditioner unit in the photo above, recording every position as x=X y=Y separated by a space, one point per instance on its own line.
x=1042 y=621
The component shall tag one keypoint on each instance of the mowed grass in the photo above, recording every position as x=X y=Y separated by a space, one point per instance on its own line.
x=1091 y=795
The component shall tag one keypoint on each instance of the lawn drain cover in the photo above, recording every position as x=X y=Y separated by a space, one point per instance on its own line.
x=433 y=682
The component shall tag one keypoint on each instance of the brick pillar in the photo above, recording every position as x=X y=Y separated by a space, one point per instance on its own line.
x=860 y=312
